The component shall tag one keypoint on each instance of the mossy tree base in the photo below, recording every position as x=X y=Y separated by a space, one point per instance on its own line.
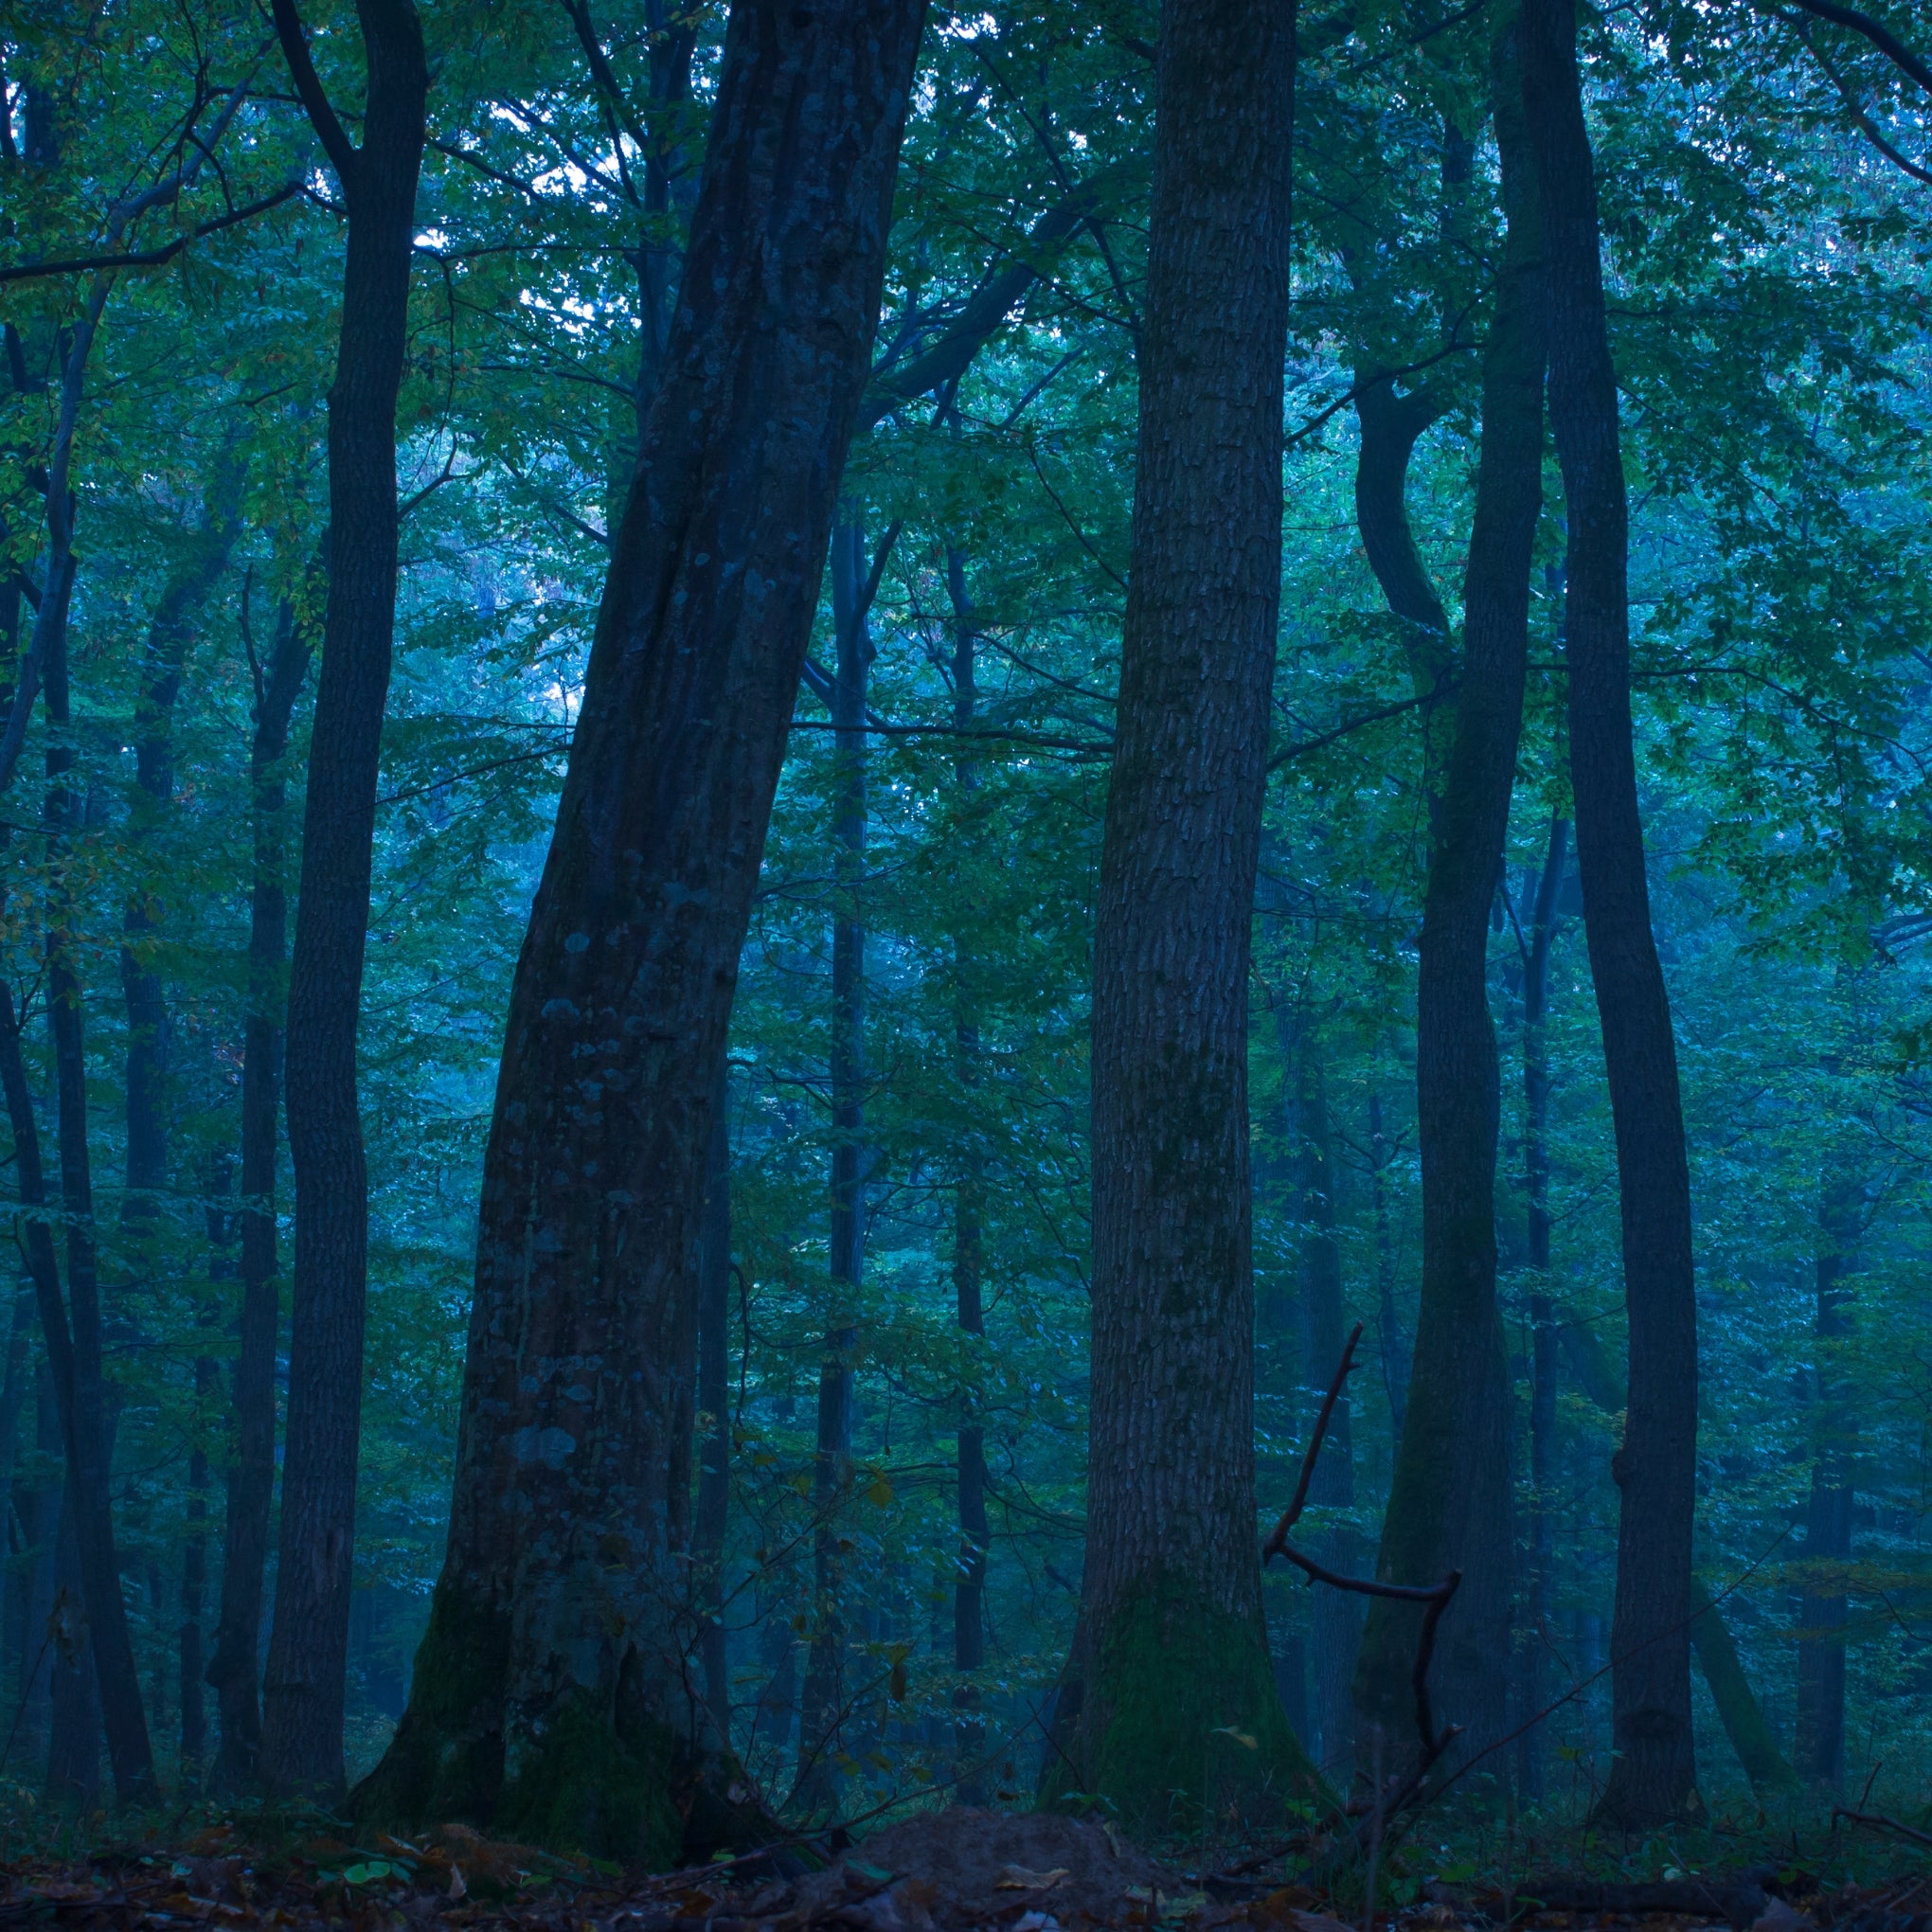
x=606 y=1775
x=1170 y=1720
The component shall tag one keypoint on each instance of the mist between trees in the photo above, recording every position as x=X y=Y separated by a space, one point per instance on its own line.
x=784 y=794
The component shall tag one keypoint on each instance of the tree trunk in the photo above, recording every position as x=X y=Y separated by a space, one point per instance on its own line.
x=969 y=1259
x=1335 y=1616
x=74 y=1734
x=1390 y=427
x=1539 y=1585
x=826 y=1700
x=1169 y=1647
x=1450 y=1503
x=714 y=1469
x=1730 y=1691
x=303 y=1684
x=549 y=1698
x=1392 y=1344
x=1820 y=1739
x=252 y=1447
x=76 y=1352
x=39 y=1527
x=1654 y=1775
x=169 y=634
x=251 y=1455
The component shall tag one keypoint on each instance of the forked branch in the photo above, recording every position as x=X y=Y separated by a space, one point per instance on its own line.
x=1433 y=1595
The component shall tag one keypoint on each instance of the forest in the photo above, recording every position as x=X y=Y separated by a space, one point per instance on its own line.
x=1025 y=908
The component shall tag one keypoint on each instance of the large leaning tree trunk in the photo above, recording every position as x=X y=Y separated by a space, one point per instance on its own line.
x=1652 y=1778
x=1449 y=1504
x=552 y=1698
x=308 y=1651
x=1169 y=1649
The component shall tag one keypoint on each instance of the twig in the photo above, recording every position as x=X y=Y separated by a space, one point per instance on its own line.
x=1877 y=1822
x=1436 y=1595
x=1276 y=1543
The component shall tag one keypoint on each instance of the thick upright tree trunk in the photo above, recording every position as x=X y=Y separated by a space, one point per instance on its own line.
x=714 y=1465
x=251 y=1451
x=969 y=1257
x=1539 y=1584
x=1654 y=1775
x=303 y=1684
x=826 y=1700
x=1450 y=1503
x=1335 y=1616
x=550 y=1692
x=1820 y=1730
x=1169 y=1647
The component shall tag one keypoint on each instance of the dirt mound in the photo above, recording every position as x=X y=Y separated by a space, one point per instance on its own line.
x=988 y=1864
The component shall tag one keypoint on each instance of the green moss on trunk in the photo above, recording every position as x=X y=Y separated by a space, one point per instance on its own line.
x=446 y=1759
x=591 y=1785
x=1179 y=1720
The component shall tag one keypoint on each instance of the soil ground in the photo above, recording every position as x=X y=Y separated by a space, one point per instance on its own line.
x=954 y=1870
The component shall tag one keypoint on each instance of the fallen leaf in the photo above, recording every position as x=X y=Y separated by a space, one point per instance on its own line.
x=1017 y=1878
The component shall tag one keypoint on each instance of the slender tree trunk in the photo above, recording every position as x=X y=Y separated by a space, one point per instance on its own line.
x=1390 y=427
x=74 y=1734
x=714 y=1469
x=550 y=1696
x=251 y=1452
x=1654 y=1775
x=1539 y=1585
x=1737 y=1706
x=1820 y=1739
x=968 y=1258
x=1392 y=1345
x=303 y=1684
x=41 y=1526
x=1450 y=1501
x=1169 y=1647
x=169 y=634
x=79 y=1368
x=826 y=1692
x=1335 y=1616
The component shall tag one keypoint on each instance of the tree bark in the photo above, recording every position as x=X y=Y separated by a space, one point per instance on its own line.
x=1169 y=1647
x=1539 y=1584
x=1450 y=1505
x=1654 y=1775
x=549 y=1698
x=303 y=1684
x=826 y=1702
x=251 y=1455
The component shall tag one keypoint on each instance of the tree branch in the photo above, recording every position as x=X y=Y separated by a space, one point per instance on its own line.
x=1881 y=36
x=151 y=257
x=343 y=154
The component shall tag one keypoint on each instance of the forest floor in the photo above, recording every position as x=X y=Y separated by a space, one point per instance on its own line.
x=956 y=1870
